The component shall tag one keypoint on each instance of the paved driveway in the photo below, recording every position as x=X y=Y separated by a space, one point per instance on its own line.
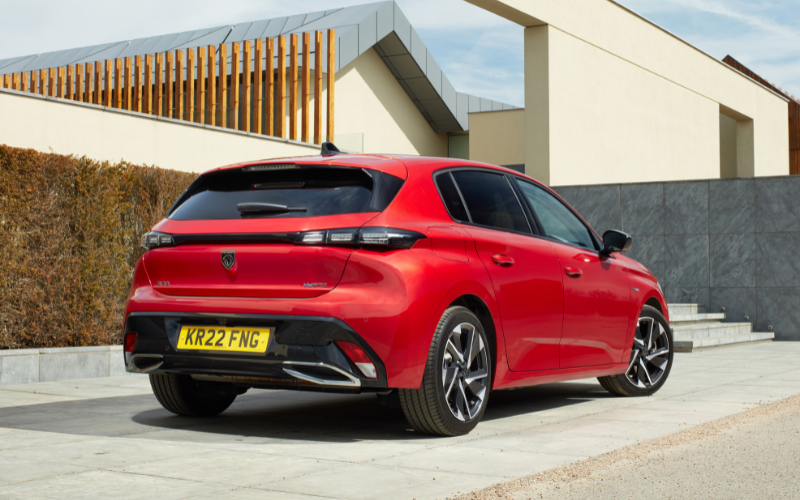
x=104 y=437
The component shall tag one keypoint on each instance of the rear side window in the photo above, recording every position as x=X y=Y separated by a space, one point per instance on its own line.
x=307 y=191
x=452 y=200
x=490 y=200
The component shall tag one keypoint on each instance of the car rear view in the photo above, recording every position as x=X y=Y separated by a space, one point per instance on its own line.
x=235 y=287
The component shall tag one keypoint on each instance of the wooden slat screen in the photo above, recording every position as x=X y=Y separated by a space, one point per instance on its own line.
x=281 y=90
x=331 y=79
x=197 y=86
x=222 y=86
x=234 y=92
x=247 y=54
x=293 y=87
x=258 y=87
x=306 y=87
x=180 y=89
x=269 y=90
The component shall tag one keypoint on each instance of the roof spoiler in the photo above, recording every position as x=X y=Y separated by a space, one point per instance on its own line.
x=328 y=148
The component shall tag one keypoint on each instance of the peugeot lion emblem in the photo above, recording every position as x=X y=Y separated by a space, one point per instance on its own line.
x=228 y=258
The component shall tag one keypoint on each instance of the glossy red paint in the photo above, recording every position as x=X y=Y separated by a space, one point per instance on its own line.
x=597 y=308
x=546 y=322
x=526 y=278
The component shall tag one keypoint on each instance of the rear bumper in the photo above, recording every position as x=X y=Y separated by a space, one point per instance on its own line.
x=301 y=352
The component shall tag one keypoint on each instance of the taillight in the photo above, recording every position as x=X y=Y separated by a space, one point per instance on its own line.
x=366 y=236
x=389 y=237
x=130 y=340
x=154 y=239
x=359 y=358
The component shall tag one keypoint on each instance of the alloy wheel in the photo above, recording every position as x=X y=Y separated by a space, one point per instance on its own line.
x=465 y=373
x=650 y=355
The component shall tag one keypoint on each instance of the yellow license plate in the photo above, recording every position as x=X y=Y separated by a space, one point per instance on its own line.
x=235 y=339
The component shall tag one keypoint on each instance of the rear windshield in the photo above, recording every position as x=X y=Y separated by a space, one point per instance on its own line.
x=308 y=191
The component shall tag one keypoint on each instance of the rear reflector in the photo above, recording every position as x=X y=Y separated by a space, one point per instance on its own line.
x=359 y=358
x=130 y=340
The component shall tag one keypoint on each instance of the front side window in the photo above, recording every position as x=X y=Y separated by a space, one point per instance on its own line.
x=490 y=200
x=558 y=221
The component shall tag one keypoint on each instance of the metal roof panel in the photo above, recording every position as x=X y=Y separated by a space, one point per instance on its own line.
x=313 y=17
x=275 y=27
x=293 y=22
x=367 y=33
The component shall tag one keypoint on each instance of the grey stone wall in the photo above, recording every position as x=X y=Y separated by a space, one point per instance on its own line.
x=732 y=243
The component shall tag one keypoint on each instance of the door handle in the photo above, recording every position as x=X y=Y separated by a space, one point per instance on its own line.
x=573 y=272
x=502 y=260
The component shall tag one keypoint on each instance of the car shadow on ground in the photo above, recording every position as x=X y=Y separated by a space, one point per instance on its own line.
x=285 y=415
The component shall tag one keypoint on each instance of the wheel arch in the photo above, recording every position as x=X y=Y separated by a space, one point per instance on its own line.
x=655 y=304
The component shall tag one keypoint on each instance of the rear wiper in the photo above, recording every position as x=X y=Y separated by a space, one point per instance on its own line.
x=266 y=208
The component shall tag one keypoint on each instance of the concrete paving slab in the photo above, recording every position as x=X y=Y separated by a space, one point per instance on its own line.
x=349 y=446
x=741 y=394
x=339 y=450
x=640 y=414
x=20 y=470
x=106 y=452
x=105 y=484
x=556 y=443
x=369 y=481
x=464 y=458
x=236 y=469
x=20 y=438
x=9 y=399
x=255 y=494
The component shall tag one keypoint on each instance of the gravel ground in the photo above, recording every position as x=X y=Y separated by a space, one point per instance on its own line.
x=755 y=454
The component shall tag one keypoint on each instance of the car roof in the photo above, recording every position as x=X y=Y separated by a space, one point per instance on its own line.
x=397 y=165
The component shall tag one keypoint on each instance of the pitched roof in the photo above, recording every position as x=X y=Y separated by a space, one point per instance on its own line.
x=381 y=26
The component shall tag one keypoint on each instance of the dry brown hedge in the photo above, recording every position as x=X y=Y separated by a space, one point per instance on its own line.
x=70 y=230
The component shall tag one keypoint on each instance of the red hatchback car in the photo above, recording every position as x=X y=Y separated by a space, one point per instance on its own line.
x=429 y=280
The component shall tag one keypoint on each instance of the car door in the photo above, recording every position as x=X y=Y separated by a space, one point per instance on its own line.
x=597 y=300
x=524 y=270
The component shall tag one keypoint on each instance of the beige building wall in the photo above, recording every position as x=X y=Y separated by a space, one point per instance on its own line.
x=497 y=137
x=371 y=102
x=65 y=127
x=628 y=125
x=728 y=130
x=606 y=85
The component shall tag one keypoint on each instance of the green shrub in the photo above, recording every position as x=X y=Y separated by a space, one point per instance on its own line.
x=70 y=230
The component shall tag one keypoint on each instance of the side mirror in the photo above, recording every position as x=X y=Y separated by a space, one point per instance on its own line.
x=616 y=241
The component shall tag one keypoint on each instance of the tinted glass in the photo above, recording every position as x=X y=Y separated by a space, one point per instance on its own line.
x=321 y=191
x=491 y=201
x=558 y=221
x=451 y=198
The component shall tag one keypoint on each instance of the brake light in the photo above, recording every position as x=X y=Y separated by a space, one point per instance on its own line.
x=154 y=239
x=130 y=340
x=359 y=357
x=366 y=236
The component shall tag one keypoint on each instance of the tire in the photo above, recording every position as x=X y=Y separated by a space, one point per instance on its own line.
x=187 y=397
x=434 y=408
x=647 y=370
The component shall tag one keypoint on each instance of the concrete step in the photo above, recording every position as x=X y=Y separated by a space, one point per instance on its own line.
x=683 y=319
x=684 y=309
x=702 y=344
x=705 y=330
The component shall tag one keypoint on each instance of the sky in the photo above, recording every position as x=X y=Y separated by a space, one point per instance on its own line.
x=482 y=54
